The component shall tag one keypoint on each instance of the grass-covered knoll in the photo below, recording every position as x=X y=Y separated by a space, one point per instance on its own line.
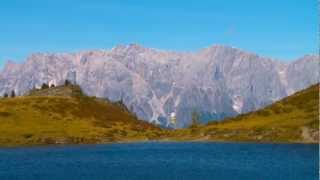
x=292 y=119
x=64 y=90
x=38 y=119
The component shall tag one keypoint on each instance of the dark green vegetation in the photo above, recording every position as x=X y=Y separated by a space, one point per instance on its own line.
x=64 y=115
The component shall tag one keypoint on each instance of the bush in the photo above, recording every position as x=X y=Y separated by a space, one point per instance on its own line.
x=277 y=108
x=287 y=109
x=264 y=112
x=44 y=86
x=27 y=136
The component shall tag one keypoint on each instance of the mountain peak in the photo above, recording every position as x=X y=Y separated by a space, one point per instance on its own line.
x=10 y=64
x=218 y=47
x=129 y=47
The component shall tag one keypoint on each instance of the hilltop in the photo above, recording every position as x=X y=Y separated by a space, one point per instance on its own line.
x=292 y=119
x=65 y=91
x=64 y=115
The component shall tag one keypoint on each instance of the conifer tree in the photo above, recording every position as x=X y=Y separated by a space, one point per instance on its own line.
x=13 y=94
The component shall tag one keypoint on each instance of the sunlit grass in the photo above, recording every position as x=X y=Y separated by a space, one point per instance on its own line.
x=76 y=118
x=39 y=120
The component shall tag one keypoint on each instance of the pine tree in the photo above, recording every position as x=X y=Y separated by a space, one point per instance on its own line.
x=195 y=118
x=67 y=82
x=13 y=94
x=5 y=95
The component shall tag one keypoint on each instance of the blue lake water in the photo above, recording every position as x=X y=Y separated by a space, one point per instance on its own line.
x=162 y=161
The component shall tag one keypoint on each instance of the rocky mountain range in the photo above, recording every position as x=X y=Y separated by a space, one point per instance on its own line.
x=216 y=82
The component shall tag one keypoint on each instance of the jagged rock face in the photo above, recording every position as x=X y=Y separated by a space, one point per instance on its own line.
x=216 y=82
x=303 y=72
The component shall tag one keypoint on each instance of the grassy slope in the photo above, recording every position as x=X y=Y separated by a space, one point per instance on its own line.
x=292 y=119
x=57 y=119
x=46 y=117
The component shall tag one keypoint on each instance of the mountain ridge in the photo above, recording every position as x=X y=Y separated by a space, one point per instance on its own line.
x=218 y=81
x=104 y=50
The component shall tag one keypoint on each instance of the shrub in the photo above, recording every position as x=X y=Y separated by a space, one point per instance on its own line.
x=287 y=109
x=264 y=112
x=27 y=136
x=277 y=108
x=44 y=86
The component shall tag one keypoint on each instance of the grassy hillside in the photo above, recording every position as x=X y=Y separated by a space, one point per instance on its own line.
x=292 y=119
x=43 y=118
x=63 y=115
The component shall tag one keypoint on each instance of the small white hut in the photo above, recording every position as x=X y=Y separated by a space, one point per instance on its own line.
x=173 y=119
x=52 y=82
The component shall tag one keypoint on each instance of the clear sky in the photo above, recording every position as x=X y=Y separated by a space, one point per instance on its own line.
x=285 y=29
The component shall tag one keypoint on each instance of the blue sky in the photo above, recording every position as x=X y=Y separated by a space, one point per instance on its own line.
x=285 y=29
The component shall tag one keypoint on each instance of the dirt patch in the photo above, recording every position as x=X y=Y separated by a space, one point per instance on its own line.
x=308 y=136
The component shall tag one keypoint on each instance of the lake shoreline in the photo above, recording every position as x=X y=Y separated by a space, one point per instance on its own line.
x=157 y=141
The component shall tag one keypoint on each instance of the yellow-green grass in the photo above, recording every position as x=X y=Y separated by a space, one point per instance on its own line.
x=46 y=120
x=282 y=121
x=45 y=117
